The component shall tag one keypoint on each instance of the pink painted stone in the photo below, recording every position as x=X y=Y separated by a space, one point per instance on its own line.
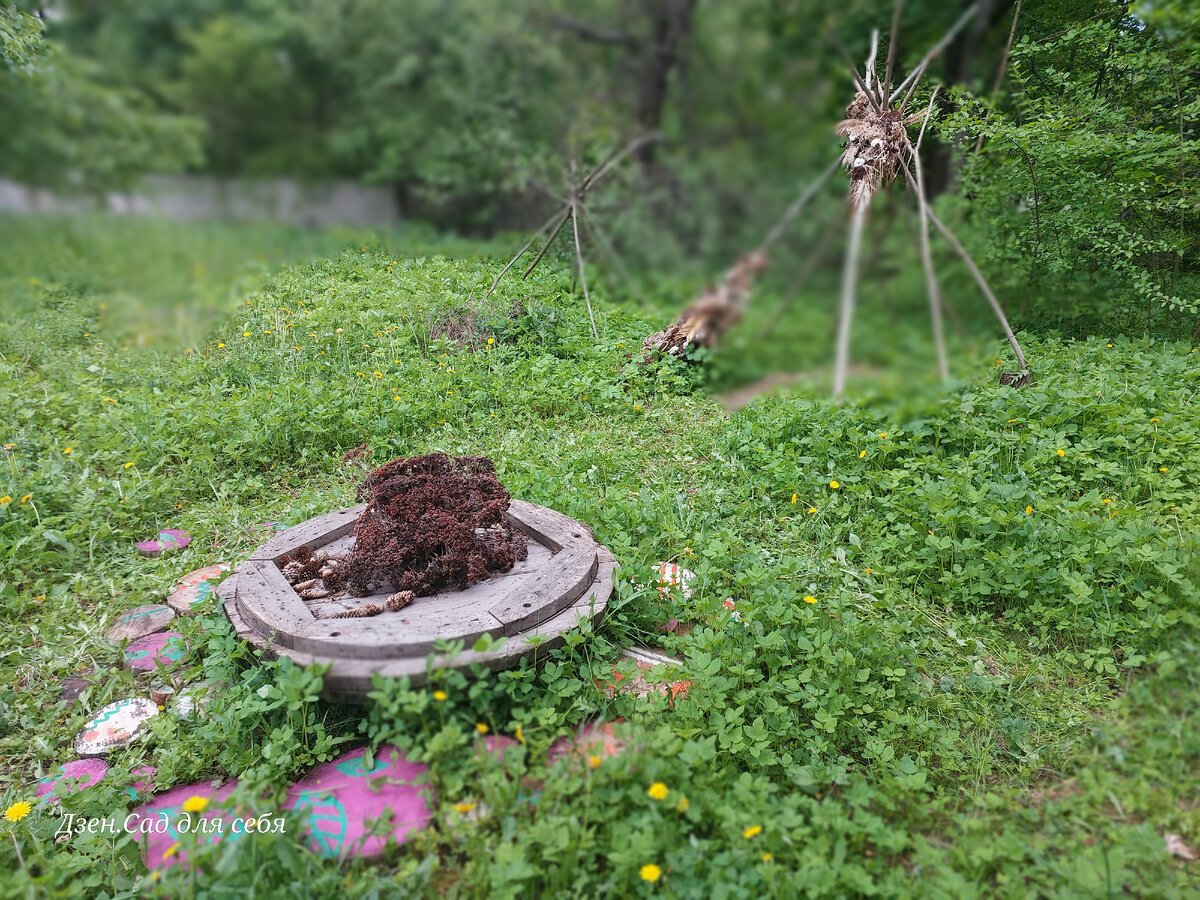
x=143 y=782
x=591 y=740
x=167 y=648
x=168 y=539
x=78 y=774
x=195 y=588
x=497 y=744
x=171 y=803
x=342 y=801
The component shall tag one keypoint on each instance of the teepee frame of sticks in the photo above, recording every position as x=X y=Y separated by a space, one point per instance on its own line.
x=878 y=151
x=574 y=210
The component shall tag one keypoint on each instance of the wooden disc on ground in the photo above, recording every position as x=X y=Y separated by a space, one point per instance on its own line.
x=139 y=622
x=76 y=775
x=342 y=798
x=195 y=589
x=115 y=726
x=565 y=580
x=148 y=653
x=168 y=539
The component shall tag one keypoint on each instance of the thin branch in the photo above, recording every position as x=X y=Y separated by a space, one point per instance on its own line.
x=521 y=252
x=891 y=56
x=872 y=77
x=582 y=274
x=550 y=240
x=814 y=259
x=607 y=248
x=976 y=274
x=934 y=51
x=613 y=159
x=594 y=33
x=931 y=285
x=1012 y=33
x=849 y=284
x=799 y=203
x=858 y=79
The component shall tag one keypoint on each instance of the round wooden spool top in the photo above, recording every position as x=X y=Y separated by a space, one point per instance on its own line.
x=567 y=578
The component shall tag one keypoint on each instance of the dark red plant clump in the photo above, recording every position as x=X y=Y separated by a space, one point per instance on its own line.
x=432 y=522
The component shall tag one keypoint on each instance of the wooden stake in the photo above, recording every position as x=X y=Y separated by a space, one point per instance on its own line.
x=582 y=275
x=931 y=285
x=849 y=284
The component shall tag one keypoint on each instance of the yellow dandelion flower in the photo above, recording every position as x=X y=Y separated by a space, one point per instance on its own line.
x=439 y=696
x=1028 y=511
x=67 y=450
x=650 y=872
x=834 y=485
x=868 y=570
x=1109 y=345
x=245 y=334
x=109 y=400
x=9 y=446
x=881 y=434
x=5 y=500
x=171 y=851
x=637 y=406
x=794 y=498
x=491 y=340
x=658 y=791
x=27 y=498
x=1106 y=500
x=481 y=728
x=593 y=762
x=195 y=803
x=682 y=805
x=1162 y=468
x=752 y=831
x=862 y=454
x=767 y=857
x=463 y=808
x=18 y=811
x=519 y=735
x=810 y=599
x=812 y=509
x=128 y=465
x=220 y=346
x=1153 y=421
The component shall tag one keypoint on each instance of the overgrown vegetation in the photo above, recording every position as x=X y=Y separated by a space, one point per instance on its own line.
x=965 y=663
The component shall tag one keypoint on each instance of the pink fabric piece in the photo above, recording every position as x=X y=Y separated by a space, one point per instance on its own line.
x=86 y=772
x=343 y=801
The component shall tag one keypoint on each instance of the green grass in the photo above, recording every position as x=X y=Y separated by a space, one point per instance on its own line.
x=994 y=694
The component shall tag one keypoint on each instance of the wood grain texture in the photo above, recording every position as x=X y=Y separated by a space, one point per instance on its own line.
x=567 y=580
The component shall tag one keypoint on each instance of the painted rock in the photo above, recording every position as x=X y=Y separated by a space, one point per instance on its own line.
x=342 y=799
x=76 y=775
x=599 y=740
x=195 y=589
x=142 y=783
x=139 y=622
x=674 y=580
x=162 y=847
x=194 y=700
x=115 y=726
x=146 y=654
x=645 y=659
x=168 y=539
